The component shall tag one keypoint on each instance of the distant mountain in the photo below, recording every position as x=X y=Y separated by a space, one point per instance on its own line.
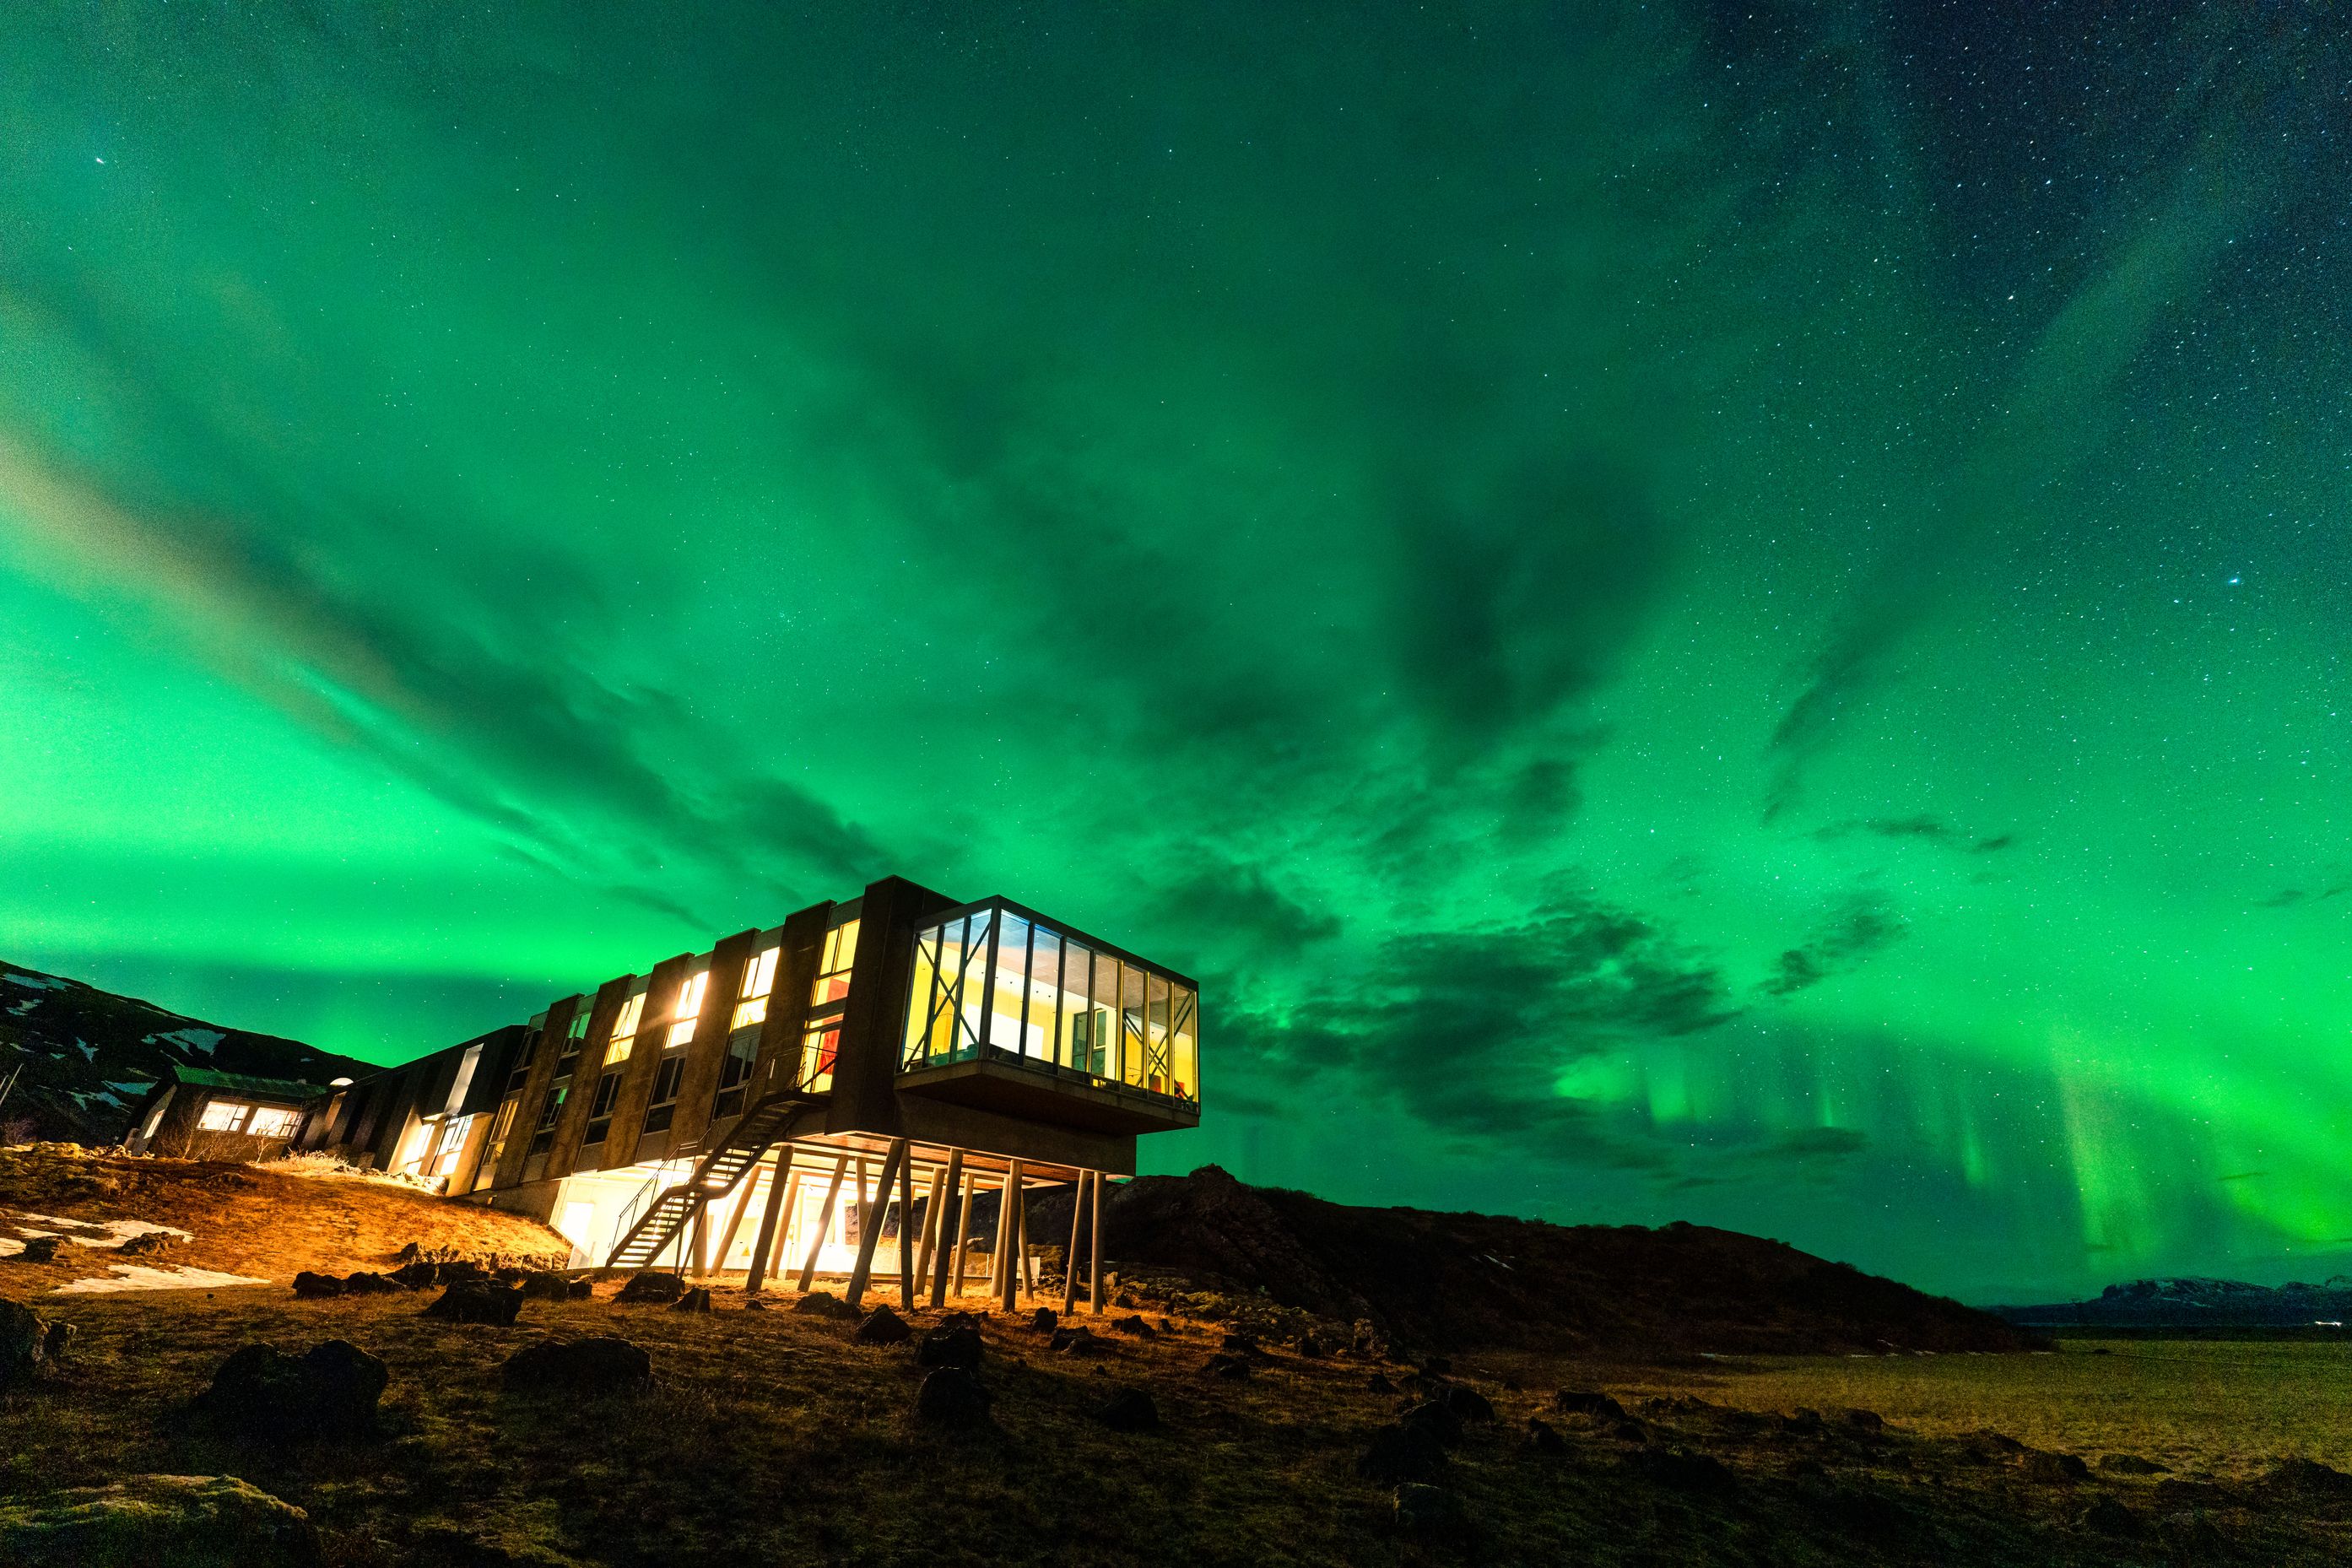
x=2196 y=1303
x=1468 y=1280
x=90 y=1056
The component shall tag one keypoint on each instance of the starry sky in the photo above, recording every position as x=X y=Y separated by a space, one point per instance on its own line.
x=1729 y=614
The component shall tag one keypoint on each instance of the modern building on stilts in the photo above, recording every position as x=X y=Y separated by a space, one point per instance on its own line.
x=823 y=1099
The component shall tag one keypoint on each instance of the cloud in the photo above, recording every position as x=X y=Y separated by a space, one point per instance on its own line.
x=1865 y=927
x=1928 y=830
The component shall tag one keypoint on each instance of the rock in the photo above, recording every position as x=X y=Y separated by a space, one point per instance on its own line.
x=1436 y=1366
x=1232 y=1368
x=957 y=1347
x=2193 y=1537
x=1307 y=1344
x=602 y=1365
x=311 y=1287
x=823 y=1304
x=1242 y=1345
x=1865 y=1420
x=1044 y=1321
x=583 y=1289
x=1438 y=1418
x=24 y=1342
x=1077 y=1341
x=2308 y=1478
x=2054 y=1470
x=546 y=1285
x=147 y=1243
x=1543 y=1437
x=1630 y=1432
x=952 y=1397
x=364 y=1283
x=38 y=1249
x=56 y=1339
x=694 y=1300
x=2130 y=1465
x=754 y=1304
x=1582 y=1403
x=1134 y=1324
x=883 y=1327
x=415 y=1276
x=158 y=1521
x=651 y=1287
x=1129 y=1410
x=329 y=1391
x=1379 y=1383
x=469 y=1302
x=408 y=1254
x=1469 y=1403
x=2105 y=1516
x=1400 y=1453
x=1431 y=1511
x=1684 y=1472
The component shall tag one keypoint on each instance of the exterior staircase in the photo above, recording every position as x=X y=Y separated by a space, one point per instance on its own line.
x=715 y=1175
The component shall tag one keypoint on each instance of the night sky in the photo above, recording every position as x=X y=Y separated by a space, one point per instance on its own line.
x=1728 y=614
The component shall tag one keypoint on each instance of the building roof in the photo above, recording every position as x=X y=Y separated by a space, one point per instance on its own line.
x=245 y=1083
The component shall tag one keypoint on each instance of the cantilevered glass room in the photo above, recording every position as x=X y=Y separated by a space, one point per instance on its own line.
x=1011 y=1011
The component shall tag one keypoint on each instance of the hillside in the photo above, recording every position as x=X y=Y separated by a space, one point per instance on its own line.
x=1462 y=1280
x=2196 y=1303
x=89 y=1055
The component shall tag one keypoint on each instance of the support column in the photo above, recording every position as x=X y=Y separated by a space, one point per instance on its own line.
x=1008 y=1237
x=824 y=1220
x=718 y=1264
x=934 y=1225
x=784 y=1225
x=962 y=1238
x=907 y=1232
x=950 y=1244
x=779 y=1185
x=870 y=1232
x=1097 y=1306
x=1070 y=1253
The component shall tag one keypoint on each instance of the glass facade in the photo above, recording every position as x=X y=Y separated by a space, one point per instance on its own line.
x=991 y=978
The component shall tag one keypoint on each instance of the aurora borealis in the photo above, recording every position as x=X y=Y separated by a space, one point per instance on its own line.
x=1682 y=615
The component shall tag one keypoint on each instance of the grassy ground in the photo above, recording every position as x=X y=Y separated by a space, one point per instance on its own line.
x=771 y=1437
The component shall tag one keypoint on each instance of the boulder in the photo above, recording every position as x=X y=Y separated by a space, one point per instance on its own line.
x=1399 y=1453
x=2054 y=1470
x=583 y=1289
x=1580 y=1402
x=651 y=1287
x=952 y=1397
x=1379 y=1383
x=546 y=1285
x=1078 y=1342
x=364 y=1283
x=602 y=1365
x=694 y=1300
x=2309 y=1478
x=329 y=1391
x=954 y=1347
x=470 y=1301
x=2130 y=1465
x=883 y=1327
x=821 y=1304
x=57 y=1339
x=1438 y=1419
x=1436 y=1366
x=1309 y=1345
x=1469 y=1403
x=24 y=1342
x=2105 y=1516
x=1134 y=1324
x=158 y=1521
x=38 y=1249
x=147 y=1243
x=1232 y=1368
x=415 y=1276
x=1129 y=1410
x=1432 y=1512
x=1044 y=1321
x=311 y=1287
x=1242 y=1345
x=1865 y=1420
x=1543 y=1437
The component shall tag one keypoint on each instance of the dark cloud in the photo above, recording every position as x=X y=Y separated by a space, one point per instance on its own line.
x=1865 y=927
x=1926 y=829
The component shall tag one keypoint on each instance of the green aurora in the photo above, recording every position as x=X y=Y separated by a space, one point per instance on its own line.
x=1682 y=615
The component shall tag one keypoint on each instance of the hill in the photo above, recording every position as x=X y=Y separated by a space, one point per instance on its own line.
x=88 y=1056
x=2196 y=1303
x=1467 y=1280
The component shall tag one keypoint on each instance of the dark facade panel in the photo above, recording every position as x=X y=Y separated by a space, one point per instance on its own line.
x=699 y=1085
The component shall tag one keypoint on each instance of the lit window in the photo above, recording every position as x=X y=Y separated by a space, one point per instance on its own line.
x=624 y=1029
x=690 y=1009
x=448 y=1144
x=273 y=1121
x=758 y=979
x=833 y=969
x=224 y=1116
x=819 y=1045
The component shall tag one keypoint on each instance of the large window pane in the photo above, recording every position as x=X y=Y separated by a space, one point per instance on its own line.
x=1008 y=983
x=1131 y=1033
x=1157 y=1069
x=1077 y=1017
x=921 y=992
x=1186 y=1028
x=1045 y=993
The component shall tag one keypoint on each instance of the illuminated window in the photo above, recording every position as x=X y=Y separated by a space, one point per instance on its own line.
x=273 y=1121
x=625 y=1030
x=690 y=1009
x=758 y=979
x=448 y=1146
x=502 y=1129
x=833 y=968
x=224 y=1116
x=819 y=1045
x=542 y=1136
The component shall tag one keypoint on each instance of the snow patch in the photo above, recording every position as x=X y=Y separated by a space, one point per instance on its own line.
x=193 y=1039
x=139 y=1277
x=104 y=1234
x=17 y=977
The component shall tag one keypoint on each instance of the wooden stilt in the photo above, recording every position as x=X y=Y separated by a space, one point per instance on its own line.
x=963 y=1234
x=998 y=1251
x=1070 y=1253
x=692 y=1238
x=717 y=1263
x=1008 y=1238
x=771 y=1236
x=871 y=1231
x=1027 y=1257
x=907 y=1232
x=946 y=1248
x=934 y=1222
x=824 y=1220
x=1094 y=1262
x=784 y=1225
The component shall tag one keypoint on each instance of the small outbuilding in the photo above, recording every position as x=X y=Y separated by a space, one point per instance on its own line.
x=202 y=1113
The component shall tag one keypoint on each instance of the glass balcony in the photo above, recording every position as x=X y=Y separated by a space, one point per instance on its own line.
x=1010 y=1010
